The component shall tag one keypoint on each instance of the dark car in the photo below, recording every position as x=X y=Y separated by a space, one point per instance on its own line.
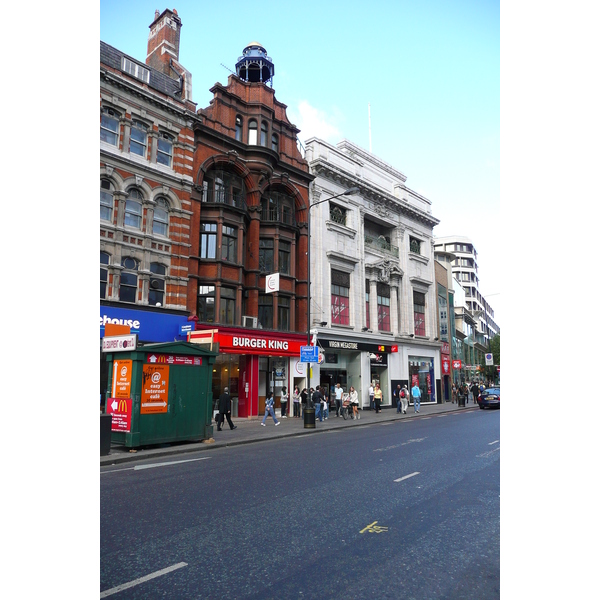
x=489 y=398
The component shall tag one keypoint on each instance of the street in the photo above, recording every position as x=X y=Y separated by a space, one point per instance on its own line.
x=404 y=509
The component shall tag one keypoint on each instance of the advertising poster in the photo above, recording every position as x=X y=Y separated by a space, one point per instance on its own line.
x=155 y=389
x=121 y=385
x=120 y=409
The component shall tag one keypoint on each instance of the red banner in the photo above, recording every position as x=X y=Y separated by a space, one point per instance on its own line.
x=120 y=409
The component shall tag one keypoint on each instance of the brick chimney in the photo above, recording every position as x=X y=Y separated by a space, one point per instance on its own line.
x=163 y=41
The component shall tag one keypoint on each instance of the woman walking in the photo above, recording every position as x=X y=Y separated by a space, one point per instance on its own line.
x=354 y=402
x=269 y=409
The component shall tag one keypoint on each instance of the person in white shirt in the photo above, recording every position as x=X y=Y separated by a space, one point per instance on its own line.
x=283 y=399
x=338 y=399
x=354 y=402
x=371 y=396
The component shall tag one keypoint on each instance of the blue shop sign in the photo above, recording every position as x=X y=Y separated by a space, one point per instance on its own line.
x=151 y=326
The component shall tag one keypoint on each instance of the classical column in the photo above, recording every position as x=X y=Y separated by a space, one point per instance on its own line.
x=395 y=313
x=373 y=316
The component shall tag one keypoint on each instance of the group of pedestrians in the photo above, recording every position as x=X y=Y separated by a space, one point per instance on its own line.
x=470 y=391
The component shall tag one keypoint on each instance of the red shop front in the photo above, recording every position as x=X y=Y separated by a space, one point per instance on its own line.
x=250 y=364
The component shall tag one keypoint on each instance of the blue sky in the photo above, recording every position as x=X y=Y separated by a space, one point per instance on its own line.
x=430 y=71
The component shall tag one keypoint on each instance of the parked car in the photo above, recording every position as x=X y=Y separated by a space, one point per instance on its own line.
x=489 y=398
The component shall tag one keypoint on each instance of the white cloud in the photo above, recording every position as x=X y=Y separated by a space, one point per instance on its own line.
x=313 y=122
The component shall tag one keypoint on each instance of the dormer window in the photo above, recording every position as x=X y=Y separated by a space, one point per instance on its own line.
x=136 y=70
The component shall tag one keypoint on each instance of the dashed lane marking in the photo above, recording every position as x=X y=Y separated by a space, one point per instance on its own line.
x=406 y=477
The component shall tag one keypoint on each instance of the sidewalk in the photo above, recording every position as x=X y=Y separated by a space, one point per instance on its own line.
x=249 y=431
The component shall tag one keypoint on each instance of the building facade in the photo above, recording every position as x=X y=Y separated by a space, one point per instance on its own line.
x=373 y=309
x=147 y=122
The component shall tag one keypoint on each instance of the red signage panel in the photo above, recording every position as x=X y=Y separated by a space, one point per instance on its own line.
x=120 y=409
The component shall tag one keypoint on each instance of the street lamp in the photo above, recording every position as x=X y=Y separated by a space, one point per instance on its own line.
x=348 y=192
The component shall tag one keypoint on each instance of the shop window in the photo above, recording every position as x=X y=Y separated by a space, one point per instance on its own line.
x=419 y=313
x=265 y=256
x=284 y=257
x=109 y=126
x=283 y=313
x=160 y=223
x=133 y=209
x=340 y=298
x=129 y=279
x=104 y=260
x=156 y=293
x=229 y=244
x=227 y=307
x=383 y=307
x=205 y=310
x=208 y=240
x=265 y=310
x=422 y=374
x=106 y=200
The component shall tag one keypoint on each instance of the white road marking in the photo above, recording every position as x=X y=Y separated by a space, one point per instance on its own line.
x=406 y=477
x=440 y=416
x=489 y=453
x=494 y=442
x=135 y=582
x=151 y=466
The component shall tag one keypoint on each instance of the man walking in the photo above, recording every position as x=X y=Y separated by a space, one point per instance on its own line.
x=338 y=399
x=397 y=397
x=317 y=398
x=416 y=395
x=225 y=410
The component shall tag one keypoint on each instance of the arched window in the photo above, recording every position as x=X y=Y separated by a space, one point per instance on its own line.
x=164 y=149
x=224 y=187
x=264 y=132
x=156 y=293
x=160 y=224
x=106 y=200
x=275 y=142
x=252 y=132
x=277 y=206
x=238 y=128
x=109 y=126
x=138 y=138
x=104 y=260
x=133 y=209
x=128 y=285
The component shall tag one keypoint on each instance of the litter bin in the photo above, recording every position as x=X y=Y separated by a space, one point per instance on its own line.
x=309 y=418
x=461 y=400
x=105 y=432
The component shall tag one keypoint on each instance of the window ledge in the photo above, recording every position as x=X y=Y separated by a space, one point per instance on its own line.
x=418 y=258
x=333 y=226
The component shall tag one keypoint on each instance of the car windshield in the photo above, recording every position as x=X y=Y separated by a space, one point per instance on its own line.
x=493 y=390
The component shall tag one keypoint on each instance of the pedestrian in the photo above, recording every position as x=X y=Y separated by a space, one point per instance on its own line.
x=338 y=399
x=225 y=410
x=474 y=391
x=416 y=394
x=325 y=404
x=397 y=397
x=371 y=396
x=269 y=409
x=283 y=399
x=378 y=397
x=454 y=393
x=404 y=399
x=354 y=402
x=317 y=398
x=296 y=401
x=303 y=399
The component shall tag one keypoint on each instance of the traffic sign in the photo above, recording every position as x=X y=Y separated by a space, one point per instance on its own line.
x=309 y=354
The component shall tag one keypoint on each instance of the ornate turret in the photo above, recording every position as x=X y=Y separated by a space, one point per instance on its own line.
x=254 y=65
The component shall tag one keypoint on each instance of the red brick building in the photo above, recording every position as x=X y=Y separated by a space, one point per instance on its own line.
x=198 y=207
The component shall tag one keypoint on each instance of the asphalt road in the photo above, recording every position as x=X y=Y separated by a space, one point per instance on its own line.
x=406 y=509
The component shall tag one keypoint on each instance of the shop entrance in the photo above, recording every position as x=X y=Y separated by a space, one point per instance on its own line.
x=329 y=377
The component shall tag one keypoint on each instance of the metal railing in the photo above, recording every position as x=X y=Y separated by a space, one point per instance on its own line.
x=381 y=244
x=224 y=197
x=278 y=216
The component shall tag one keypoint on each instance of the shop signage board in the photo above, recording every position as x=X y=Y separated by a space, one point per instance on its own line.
x=173 y=359
x=155 y=389
x=119 y=343
x=309 y=354
x=120 y=409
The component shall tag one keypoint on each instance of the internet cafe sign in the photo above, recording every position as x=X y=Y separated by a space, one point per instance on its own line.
x=119 y=343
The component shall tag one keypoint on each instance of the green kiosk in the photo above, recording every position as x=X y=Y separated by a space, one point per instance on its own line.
x=160 y=393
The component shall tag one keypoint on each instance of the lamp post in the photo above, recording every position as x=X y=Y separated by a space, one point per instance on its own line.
x=348 y=192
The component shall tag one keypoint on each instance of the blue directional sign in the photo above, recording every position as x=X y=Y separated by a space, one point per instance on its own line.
x=309 y=354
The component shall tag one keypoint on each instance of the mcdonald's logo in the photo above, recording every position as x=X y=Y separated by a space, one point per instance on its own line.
x=122 y=408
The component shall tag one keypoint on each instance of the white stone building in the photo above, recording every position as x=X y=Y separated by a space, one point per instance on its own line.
x=373 y=293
